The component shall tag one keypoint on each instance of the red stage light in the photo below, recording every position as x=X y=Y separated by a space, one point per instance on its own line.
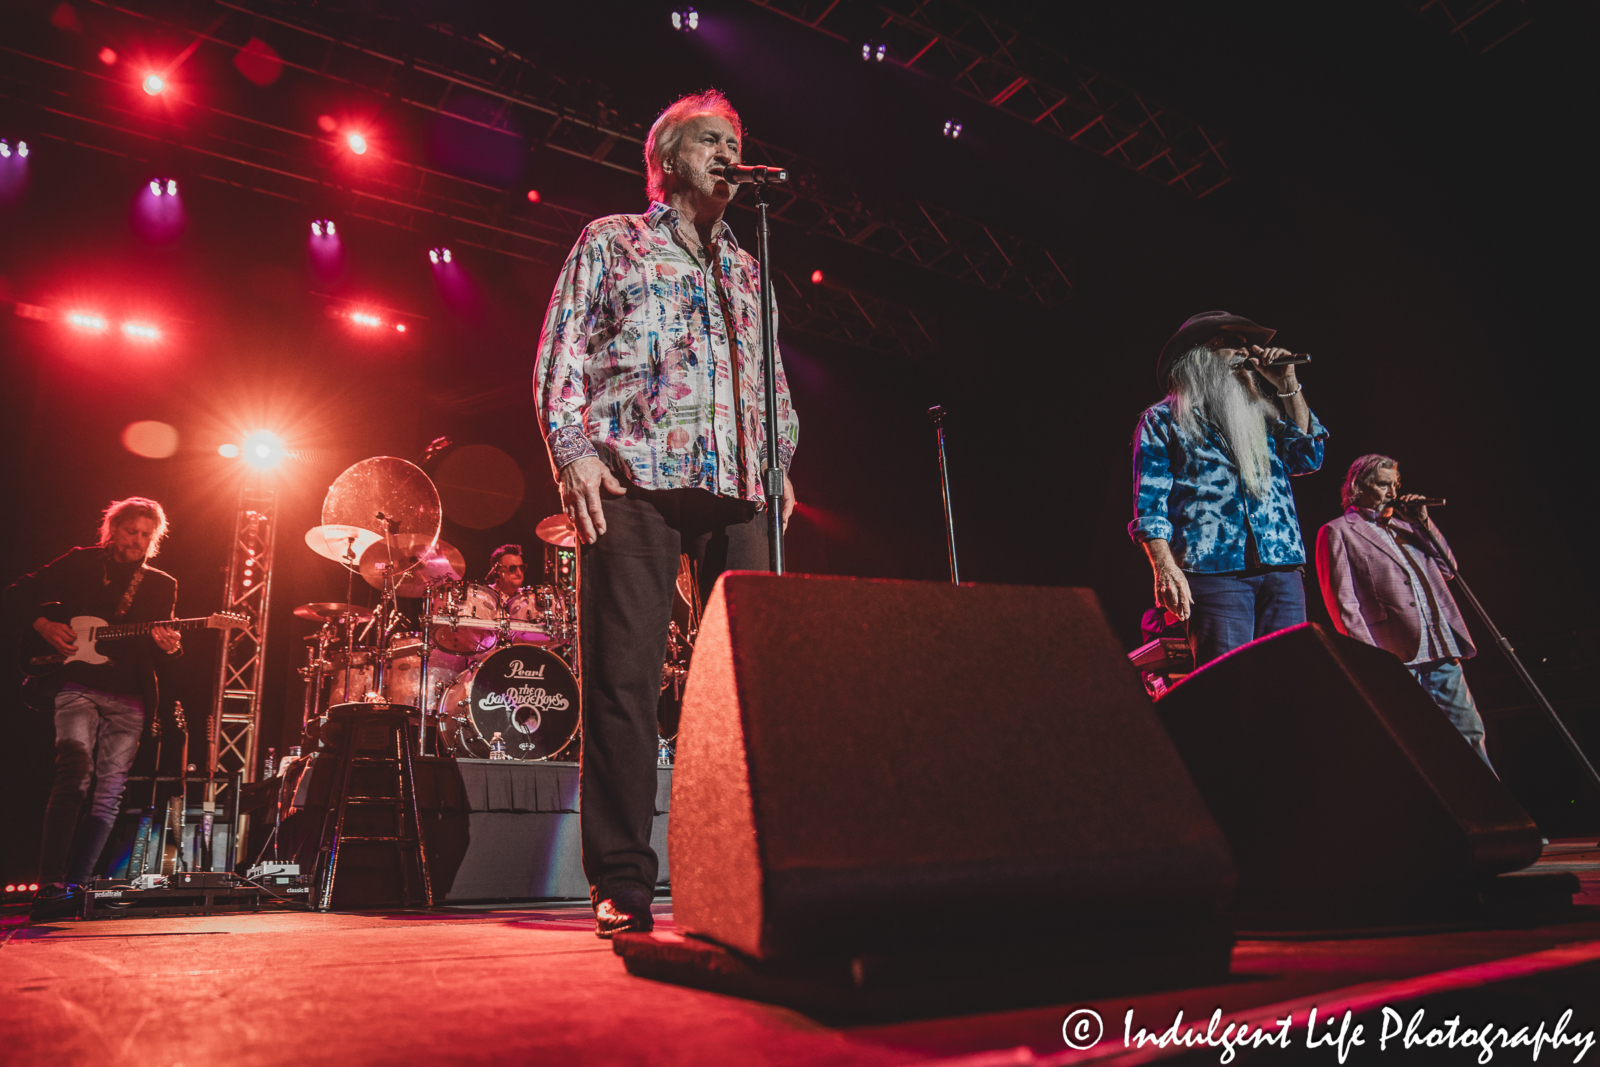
x=33 y=887
x=108 y=56
x=816 y=277
x=11 y=889
x=400 y=327
x=85 y=321
x=140 y=331
x=154 y=84
x=357 y=143
x=363 y=319
x=326 y=123
x=533 y=196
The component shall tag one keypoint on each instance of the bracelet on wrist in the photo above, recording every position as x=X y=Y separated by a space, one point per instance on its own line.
x=1293 y=392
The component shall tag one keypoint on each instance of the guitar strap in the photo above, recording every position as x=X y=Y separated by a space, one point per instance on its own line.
x=127 y=596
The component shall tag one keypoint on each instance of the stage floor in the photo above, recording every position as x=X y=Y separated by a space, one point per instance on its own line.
x=532 y=984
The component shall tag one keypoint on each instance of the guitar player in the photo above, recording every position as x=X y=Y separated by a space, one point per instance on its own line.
x=100 y=708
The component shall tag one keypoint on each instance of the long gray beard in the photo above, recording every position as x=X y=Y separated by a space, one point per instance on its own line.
x=1203 y=386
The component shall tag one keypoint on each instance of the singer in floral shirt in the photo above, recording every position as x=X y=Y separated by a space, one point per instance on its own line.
x=649 y=385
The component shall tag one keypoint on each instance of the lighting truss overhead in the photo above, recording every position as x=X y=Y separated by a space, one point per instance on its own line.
x=154 y=84
x=141 y=331
x=686 y=19
x=952 y=43
x=438 y=255
x=85 y=321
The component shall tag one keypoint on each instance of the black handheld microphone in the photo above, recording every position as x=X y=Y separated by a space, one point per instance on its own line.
x=1424 y=502
x=760 y=175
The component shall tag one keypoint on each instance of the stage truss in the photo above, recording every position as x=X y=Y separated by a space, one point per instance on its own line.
x=241 y=659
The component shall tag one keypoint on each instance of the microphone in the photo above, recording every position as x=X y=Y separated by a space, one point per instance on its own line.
x=1424 y=502
x=759 y=175
x=1284 y=361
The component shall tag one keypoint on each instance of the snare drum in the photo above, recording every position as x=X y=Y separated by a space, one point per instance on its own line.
x=477 y=606
x=402 y=676
x=522 y=692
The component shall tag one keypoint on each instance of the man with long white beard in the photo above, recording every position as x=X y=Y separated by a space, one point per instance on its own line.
x=1212 y=503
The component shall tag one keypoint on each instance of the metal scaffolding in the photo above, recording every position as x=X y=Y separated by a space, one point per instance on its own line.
x=991 y=62
x=241 y=659
x=1478 y=24
x=429 y=68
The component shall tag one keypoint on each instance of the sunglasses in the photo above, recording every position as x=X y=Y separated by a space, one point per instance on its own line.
x=1227 y=340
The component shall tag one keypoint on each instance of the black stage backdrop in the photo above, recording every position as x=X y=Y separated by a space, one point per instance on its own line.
x=1404 y=208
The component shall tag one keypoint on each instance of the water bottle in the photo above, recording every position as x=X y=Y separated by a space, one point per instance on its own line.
x=497 y=747
x=269 y=763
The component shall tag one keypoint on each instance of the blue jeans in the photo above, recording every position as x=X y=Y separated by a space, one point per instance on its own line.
x=97 y=736
x=1447 y=685
x=1232 y=610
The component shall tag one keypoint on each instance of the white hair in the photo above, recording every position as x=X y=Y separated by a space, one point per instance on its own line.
x=1205 y=387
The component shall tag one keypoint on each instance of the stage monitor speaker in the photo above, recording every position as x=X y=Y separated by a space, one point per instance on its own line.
x=887 y=763
x=1343 y=789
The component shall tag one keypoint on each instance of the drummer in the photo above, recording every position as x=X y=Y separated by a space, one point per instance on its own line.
x=507 y=572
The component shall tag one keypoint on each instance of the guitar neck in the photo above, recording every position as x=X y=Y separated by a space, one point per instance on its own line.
x=134 y=629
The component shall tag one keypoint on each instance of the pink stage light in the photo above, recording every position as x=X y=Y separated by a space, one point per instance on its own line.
x=816 y=277
x=108 y=56
x=154 y=84
x=533 y=196
x=83 y=320
x=357 y=143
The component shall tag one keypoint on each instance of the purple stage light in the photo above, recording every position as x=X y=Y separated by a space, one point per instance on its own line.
x=686 y=20
x=952 y=129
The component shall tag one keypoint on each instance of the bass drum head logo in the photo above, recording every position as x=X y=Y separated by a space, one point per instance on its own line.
x=529 y=697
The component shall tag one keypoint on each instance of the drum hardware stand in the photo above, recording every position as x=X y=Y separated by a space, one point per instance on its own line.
x=1516 y=664
x=936 y=413
x=772 y=476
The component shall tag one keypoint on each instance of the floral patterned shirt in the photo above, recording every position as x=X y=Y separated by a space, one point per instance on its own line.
x=652 y=361
x=1188 y=493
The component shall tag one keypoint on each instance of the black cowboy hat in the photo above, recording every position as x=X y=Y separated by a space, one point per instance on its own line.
x=1197 y=330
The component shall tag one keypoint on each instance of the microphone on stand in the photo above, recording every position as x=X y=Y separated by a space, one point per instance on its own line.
x=760 y=175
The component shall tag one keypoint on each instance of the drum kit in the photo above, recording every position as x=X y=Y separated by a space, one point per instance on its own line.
x=488 y=676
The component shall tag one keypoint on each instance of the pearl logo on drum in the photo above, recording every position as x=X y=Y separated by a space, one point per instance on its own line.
x=516 y=670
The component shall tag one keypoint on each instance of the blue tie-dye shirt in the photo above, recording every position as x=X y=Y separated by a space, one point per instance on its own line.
x=1188 y=493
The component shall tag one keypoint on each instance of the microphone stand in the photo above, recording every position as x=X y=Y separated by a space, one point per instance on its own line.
x=1510 y=654
x=936 y=413
x=772 y=475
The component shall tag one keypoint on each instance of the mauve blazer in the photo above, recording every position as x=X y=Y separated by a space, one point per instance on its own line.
x=1368 y=593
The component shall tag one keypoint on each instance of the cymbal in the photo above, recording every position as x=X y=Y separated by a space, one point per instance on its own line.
x=342 y=544
x=396 y=489
x=328 y=610
x=557 y=530
x=419 y=562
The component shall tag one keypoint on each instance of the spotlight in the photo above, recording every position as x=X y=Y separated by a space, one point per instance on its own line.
x=874 y=52
x=438 y=255
x=172 y=187
x=155 y=187
x=262 y=450
x=952 y=129
x=533 y=196
x=361 y=318
x=816 y=277
x=687 y=19
x=85 y=321
x=22 y=149
x=154 y=84
x=141 y=331
x=168 y=187
x=6 y=151
x=357 y=143
x=228 y=451
x=108 y=56
x=400 y=327
x=323 y=228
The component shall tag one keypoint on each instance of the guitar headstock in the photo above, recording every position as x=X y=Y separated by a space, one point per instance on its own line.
x=177 y=715
x=227 y=620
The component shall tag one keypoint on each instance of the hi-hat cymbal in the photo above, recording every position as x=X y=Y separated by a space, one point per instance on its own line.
x=557 y=530
x=328 y=610
x=419 y=562
x=384 y=485
x=342 y=544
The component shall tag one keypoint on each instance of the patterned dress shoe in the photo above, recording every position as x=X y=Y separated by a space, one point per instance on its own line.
x=610 y=919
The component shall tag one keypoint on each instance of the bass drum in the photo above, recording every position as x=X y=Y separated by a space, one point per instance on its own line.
x=525 y=694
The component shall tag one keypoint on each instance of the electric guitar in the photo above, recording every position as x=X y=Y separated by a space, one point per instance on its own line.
x=173 y=842
x=39 y=657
